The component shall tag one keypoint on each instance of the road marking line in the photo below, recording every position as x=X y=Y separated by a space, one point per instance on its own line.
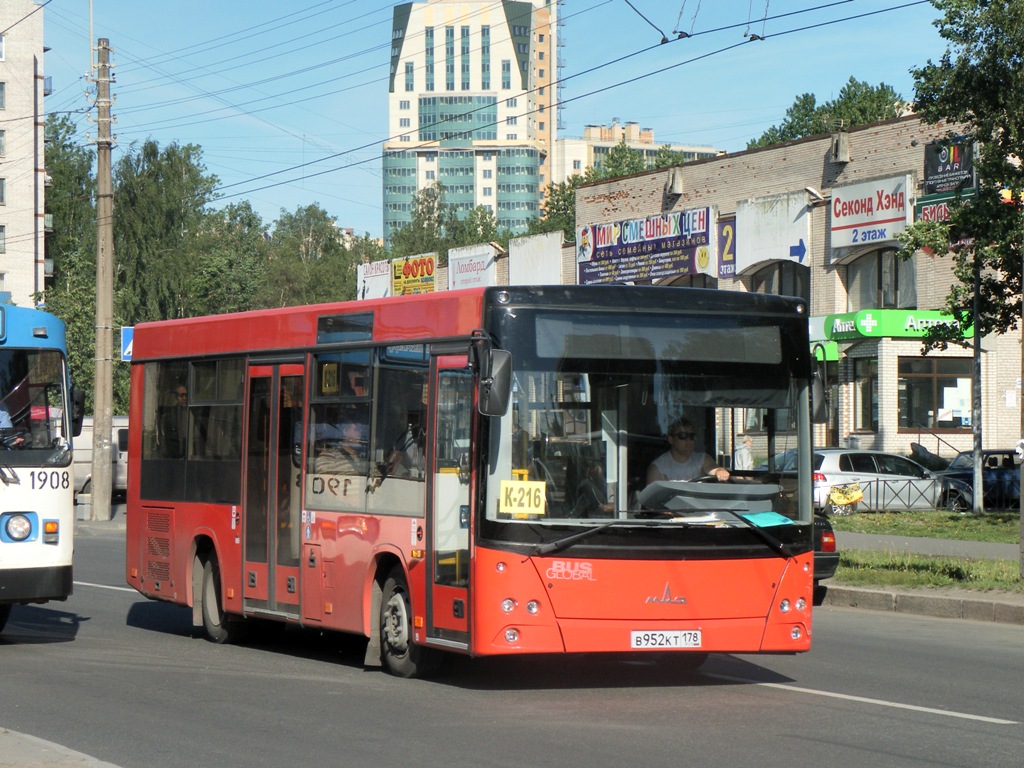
x=862 y=699
x=103 y=586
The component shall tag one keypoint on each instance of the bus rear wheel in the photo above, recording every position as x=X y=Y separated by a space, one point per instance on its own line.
x=219 y=627
x=399 y=654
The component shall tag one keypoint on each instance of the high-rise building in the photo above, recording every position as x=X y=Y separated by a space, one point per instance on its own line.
x=22 y=173
x=472 y=106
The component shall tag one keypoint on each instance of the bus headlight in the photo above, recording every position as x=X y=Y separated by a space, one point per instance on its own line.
x=18 y=527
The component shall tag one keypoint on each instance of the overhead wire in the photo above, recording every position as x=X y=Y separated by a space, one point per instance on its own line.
x=628 y=81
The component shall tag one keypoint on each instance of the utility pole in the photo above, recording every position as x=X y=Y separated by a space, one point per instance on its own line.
x=104 y=383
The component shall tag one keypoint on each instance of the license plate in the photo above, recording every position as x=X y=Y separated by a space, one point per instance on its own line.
x=665 y=640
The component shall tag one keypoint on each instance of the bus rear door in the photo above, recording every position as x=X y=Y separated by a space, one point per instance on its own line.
x=271 y=523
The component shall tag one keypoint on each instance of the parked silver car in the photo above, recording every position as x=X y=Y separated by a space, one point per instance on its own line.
x=889 y=482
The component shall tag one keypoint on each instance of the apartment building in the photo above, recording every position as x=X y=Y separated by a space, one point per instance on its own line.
x=471 y=106
x=572 y=156
x=22 y=172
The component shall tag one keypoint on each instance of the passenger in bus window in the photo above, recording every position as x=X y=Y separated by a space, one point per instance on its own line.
x=681 y=461
x=174 y=425
x=338 y=443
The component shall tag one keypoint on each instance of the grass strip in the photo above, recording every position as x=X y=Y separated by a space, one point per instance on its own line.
x=1001 y=527
x=859 y=568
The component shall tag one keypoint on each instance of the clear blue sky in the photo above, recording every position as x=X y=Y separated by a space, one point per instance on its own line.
x=266 y=86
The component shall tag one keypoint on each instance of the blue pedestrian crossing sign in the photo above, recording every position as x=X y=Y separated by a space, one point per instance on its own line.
x=127 y=336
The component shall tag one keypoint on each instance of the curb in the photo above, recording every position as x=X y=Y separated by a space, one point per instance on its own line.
x=974 y=607
x=24 y=751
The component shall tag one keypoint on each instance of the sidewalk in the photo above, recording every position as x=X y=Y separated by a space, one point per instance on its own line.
x=949 y=603
x=18 y=750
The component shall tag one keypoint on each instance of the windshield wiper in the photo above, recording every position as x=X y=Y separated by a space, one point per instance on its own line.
x=778 y=547
x=565 y=541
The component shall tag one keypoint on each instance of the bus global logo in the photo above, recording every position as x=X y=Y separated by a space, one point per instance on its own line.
x=566 y=570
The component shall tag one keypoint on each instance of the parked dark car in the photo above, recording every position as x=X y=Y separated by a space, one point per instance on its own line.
x=826 y=556
x=1000 y=476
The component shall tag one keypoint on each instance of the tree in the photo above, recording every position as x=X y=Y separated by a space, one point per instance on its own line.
x=307 y=261
x=857 y=104
x=160 y=199
x=71 y=245
x=622 y=160
x=232 y=270
x=977 y=85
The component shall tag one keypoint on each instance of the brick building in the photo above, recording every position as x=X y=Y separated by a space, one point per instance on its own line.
x=818 y=218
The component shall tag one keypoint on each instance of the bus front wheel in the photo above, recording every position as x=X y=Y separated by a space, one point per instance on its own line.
x=399 y=654
x=219 y=627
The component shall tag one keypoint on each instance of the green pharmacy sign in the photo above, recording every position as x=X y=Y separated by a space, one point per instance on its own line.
x=885 y=323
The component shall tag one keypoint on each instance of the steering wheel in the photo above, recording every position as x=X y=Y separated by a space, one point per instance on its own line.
x=12 y=440
x=705 y=479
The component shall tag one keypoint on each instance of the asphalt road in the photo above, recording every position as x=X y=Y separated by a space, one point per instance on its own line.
x=126 y=681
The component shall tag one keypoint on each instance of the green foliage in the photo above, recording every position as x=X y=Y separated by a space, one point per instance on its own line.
x=307 y=261
x=1002 y=527
x=160 y=207
x=71 y=295
x=857 y=104
x=979 y=83
x=437 y=227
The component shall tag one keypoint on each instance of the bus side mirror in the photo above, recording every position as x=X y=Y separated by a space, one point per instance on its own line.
x=495 y=383
x=77 y=411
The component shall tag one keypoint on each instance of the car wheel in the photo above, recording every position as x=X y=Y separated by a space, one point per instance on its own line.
x=957 y=504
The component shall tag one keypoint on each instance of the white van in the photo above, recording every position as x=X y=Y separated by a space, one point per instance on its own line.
x=118 y=457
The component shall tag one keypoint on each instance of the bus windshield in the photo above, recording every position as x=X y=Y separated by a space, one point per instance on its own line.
x=32 y=408
x=634 y=418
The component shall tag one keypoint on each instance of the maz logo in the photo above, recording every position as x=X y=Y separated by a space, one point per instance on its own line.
x=666 y=597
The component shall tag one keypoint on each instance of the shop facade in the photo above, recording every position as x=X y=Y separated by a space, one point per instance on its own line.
x=818 y=218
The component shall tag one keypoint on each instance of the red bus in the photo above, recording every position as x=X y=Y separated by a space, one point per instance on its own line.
x=467 y=472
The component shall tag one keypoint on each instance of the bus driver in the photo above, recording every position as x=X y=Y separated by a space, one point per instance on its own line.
x=680 y=461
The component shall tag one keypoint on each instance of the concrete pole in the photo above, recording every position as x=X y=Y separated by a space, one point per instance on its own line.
x=104 y=384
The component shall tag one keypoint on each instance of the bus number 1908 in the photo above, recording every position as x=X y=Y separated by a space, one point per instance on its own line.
x=54 y=479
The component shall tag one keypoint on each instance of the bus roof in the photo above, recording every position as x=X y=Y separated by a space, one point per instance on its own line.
x=443 y=314
x=24 y=327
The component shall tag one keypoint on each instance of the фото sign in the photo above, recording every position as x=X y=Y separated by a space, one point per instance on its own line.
x=647 y=249
x=869 y=213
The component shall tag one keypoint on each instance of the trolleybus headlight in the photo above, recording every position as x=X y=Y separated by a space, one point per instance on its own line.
x=18 y=527
x=508 y=604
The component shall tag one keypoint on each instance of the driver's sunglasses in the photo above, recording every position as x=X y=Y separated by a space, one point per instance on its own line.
x=684 y=435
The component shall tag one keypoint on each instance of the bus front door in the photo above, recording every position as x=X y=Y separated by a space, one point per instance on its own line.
x=450 y=514
x=271 y=525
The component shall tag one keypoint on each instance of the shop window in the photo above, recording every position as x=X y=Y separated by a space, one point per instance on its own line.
x=865 y=394
x=783 y=278
x=696 y=281
x=880 y=280
x=935 y=393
